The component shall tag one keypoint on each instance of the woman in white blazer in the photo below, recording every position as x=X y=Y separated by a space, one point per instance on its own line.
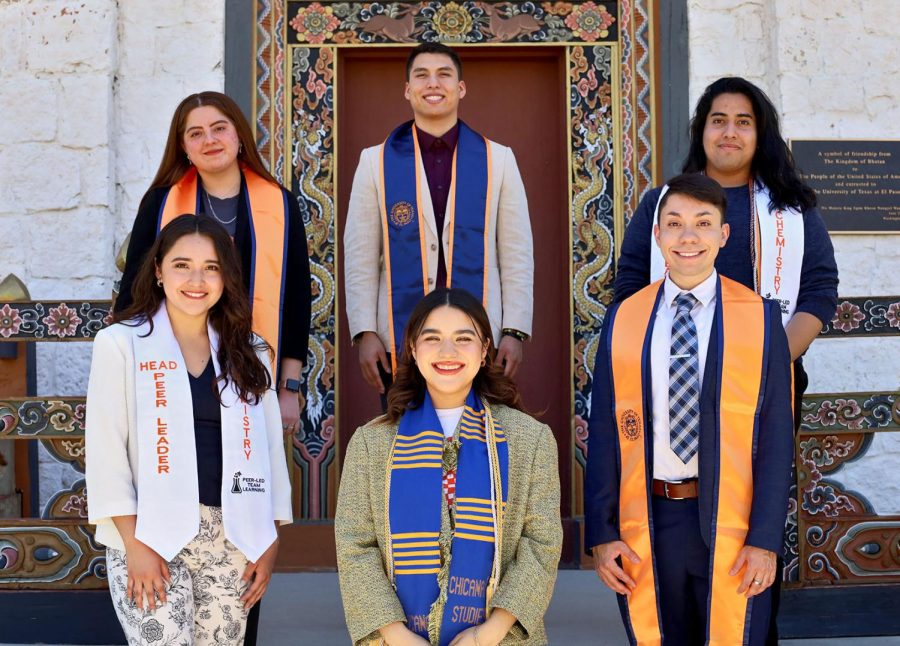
x=186 y=473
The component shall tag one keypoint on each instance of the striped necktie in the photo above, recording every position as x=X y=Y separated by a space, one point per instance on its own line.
x=684 y=382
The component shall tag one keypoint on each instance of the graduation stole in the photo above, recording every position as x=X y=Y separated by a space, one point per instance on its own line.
x=168 y=512
x=403 y=231
x=415 y=500
x=740 y=323
x=776 y=249
x=268 y=209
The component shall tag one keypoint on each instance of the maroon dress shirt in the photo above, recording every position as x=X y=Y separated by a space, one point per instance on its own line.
x=437 y=157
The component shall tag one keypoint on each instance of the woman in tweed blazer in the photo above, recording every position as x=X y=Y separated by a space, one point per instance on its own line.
x=448 y=354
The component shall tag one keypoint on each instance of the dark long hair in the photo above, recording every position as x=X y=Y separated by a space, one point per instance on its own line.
x=772 y=161
x=230 y=317
x=408 y=389
x=174 y=162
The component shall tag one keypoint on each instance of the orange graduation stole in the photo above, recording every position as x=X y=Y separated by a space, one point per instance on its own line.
x=268 y=232
x=740 y=324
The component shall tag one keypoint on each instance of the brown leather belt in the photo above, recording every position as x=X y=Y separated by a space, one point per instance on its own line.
x=676 y=490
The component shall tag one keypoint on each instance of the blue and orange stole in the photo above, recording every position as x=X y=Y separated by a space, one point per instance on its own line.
x=415 y=501
x=268 y=210
x=740 y=323
x=468 y=216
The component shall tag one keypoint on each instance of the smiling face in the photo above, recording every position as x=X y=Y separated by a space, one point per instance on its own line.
x=689 y=234
x=448 y=352
x=210 y=140
x=191 y=277
x=729 y=139
x=434 y=91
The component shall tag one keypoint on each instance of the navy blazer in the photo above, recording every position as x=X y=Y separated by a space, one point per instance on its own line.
x=773 y=447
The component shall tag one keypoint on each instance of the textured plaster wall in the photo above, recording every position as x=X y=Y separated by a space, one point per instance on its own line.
x=87 y=89
x=826 y=66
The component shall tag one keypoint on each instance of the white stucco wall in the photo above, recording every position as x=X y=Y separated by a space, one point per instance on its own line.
x=830 y=68
x=87 y=90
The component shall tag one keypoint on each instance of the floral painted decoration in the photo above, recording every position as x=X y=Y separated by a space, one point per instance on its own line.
x=589 y=21
x=10 y=321
x=315 y=23
x=62 y=321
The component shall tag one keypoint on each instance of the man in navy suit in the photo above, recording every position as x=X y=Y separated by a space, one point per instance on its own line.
x=690 y=440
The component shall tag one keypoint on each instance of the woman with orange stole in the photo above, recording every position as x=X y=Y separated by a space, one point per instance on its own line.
x=690 y=441
x=447 y=525
x=210 y=165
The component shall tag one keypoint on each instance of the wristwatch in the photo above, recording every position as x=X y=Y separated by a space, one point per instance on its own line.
x=516 y=334
x=291 y=384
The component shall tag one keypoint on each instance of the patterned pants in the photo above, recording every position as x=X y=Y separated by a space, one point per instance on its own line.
x=203 y=601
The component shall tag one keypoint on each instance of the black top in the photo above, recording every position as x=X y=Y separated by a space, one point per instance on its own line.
x=207 y=436
x=295 y=316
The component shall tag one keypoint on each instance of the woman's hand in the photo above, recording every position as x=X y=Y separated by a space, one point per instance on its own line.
x=289 y=404
x=261 y=573
x=397 y=634
x=148 y=575
x=490 y=633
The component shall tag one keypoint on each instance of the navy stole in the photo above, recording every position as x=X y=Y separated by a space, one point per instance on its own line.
x=467 y=217
x=415 y=501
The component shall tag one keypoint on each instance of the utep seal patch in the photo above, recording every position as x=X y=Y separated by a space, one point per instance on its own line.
x=630 y=425
x=402 y=213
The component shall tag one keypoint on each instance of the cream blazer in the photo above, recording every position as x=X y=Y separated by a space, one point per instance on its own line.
x=510 y=250
x=111 y=443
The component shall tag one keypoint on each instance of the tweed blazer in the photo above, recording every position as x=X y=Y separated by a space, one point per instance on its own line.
x=509 y=247
x=532 y=531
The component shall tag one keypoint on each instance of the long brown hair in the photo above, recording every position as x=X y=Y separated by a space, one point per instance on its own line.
x=230 y=317
x=174 y=162
x=408 y=389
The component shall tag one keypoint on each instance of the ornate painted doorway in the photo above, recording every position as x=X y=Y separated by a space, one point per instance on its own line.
x=601 y=137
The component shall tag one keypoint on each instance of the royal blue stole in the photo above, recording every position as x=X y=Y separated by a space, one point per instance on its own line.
x=416 y=498
x=468 y=215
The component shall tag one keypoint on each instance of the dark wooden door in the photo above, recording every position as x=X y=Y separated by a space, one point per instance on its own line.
x=515 y=97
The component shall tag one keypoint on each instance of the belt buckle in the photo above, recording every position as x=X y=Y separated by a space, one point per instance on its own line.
x=666 y=484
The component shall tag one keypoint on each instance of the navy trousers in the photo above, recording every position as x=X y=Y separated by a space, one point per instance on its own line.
x=682 y=577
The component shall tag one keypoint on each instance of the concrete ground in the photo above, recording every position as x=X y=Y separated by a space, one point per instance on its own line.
x=306 y=609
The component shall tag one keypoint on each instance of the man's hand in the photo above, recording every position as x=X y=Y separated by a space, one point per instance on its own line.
x=148 y=575
x=759 y=570
x=608 y=570
x=257 y=576
x=509 y=355
x=371 y=352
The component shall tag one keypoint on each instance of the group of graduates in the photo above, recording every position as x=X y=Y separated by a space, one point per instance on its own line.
x=448 y=524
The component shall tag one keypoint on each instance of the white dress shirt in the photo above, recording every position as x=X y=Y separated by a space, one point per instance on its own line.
x=666 y=464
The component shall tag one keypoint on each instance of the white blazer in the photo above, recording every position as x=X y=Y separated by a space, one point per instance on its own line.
x=111 y=443
x=510 y=251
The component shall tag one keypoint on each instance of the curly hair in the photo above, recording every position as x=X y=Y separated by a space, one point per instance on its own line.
x=174 y=163
x=230 y=316
x=408 y=389
x=772 y=162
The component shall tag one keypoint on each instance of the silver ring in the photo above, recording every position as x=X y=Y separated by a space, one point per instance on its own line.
x=285 y=427
x=757 y=581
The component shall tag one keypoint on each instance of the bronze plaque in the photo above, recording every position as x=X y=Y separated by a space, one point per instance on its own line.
x=857 y=182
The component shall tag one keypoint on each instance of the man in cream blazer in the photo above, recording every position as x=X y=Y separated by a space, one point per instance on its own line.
x=434 y=88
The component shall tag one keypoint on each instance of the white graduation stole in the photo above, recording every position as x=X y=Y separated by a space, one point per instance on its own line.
x=776 y=250
x=168 y=515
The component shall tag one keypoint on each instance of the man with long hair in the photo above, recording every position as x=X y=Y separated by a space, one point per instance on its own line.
x=779 y=246
x=436 y=205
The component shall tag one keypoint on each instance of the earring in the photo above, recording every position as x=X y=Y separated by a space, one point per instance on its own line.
x=159 y=282
x=483 y=361
x=240 y=148
x=190 y=163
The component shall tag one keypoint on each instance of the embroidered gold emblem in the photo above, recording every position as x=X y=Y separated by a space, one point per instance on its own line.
x=630 y=424
x=402 y=213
